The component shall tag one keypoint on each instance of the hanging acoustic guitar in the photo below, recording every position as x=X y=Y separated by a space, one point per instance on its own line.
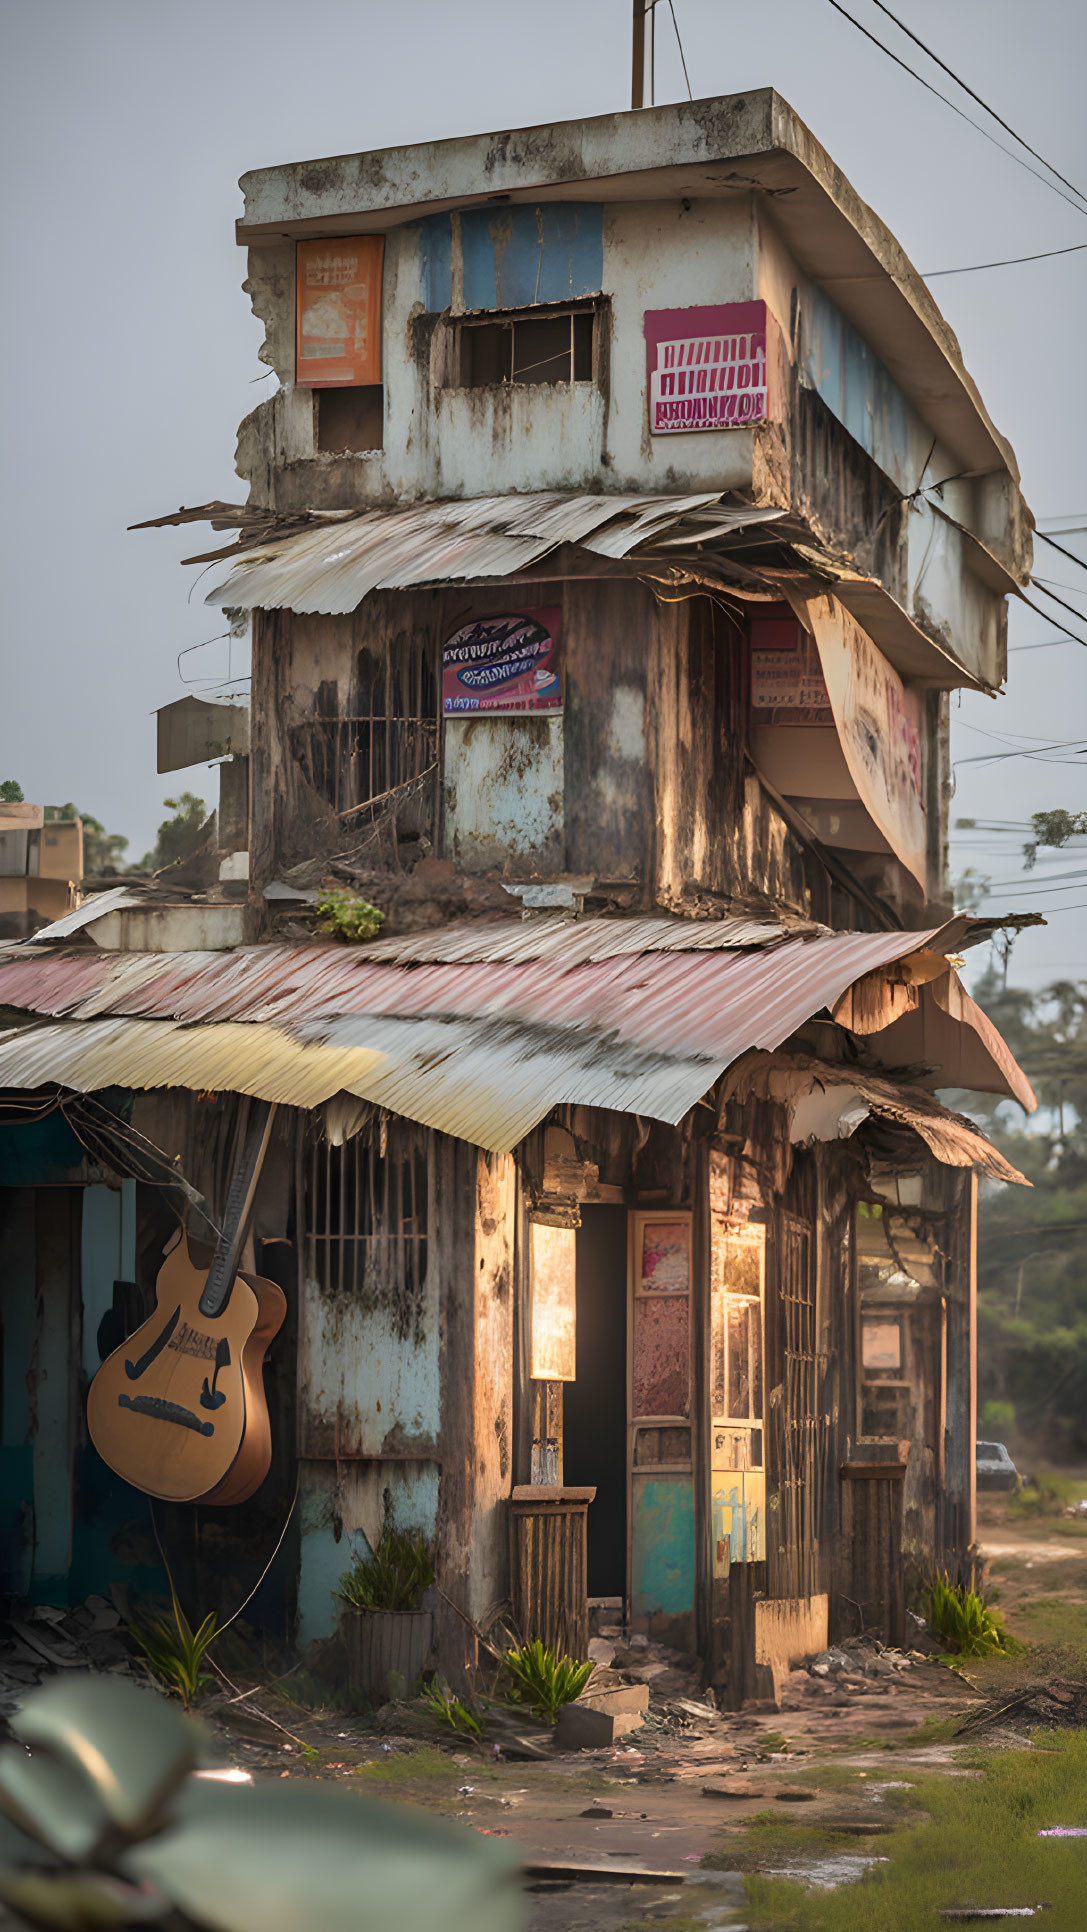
x=179 y=1410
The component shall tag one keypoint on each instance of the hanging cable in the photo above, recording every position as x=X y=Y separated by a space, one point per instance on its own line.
x=679 y=44
x=1070 y=554
x=1009 y=261
x=955 y=109
x=959 y=82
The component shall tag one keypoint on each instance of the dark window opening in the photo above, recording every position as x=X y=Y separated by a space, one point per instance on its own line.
x=351 y=420
x=367 y=1216
x=383 y=753
x=545 y=348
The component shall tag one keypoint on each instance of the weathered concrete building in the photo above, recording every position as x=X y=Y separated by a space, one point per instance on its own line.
x=41 y=866
x=622 y=520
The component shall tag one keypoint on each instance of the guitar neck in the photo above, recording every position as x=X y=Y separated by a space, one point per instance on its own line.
x=239 y=1207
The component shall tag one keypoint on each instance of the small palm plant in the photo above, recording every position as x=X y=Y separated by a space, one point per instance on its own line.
x=968 y=1625
x=175 y=1652
x=539 y=1677
x=393 y=1575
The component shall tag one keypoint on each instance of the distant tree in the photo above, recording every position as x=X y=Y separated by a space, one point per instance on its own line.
x=1032 y=1246
x=1053 y=829
x=11 y=792
x=102 y=850
x=970 y=889
x=178 y=837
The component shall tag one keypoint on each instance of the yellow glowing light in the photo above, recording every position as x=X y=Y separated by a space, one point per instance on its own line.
x=554 y=1278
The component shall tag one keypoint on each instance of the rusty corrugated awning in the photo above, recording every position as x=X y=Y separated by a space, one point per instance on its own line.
x=481 y=1047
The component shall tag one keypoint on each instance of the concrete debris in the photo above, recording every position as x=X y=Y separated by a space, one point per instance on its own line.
x=1054 y=1706
x=37 y=1640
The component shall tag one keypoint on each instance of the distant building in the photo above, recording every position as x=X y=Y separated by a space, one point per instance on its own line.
x=41 y=866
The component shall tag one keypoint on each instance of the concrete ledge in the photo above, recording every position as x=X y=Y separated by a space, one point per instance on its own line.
x=787 y=1629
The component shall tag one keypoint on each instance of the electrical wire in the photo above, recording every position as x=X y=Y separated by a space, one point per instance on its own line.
x=967 y=89
x=955 y=109
x=679 y=44
x=1070 y=554
x=1009 y=261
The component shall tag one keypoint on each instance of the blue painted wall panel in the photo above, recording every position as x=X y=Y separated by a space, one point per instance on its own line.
x=107 y=1254
x=858 y=390
x=663 y=1546
x=513 y=257
x=324 y=1496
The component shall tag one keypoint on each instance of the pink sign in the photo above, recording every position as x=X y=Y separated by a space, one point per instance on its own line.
x=503 y=665
x=706 y=367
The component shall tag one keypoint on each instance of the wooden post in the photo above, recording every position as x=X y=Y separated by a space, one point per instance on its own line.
x=641 y=66
x=972 y=1437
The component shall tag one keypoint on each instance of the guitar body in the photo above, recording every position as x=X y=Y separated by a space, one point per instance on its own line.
x=254 y=1458
x=179 y=1410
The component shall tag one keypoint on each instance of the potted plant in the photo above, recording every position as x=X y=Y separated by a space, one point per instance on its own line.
x=387 y=1631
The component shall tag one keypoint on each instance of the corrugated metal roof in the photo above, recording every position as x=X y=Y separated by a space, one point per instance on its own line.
x=572 y=942
x=332 y=568
x=89 y=1054
x=482 y=1049
x=96 y=906
x=705 y=999
x=787 y=1077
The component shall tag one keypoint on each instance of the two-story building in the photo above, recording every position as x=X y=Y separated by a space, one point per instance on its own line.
x=622 y=520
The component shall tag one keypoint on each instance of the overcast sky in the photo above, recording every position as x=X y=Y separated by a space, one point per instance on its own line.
x=130 y=353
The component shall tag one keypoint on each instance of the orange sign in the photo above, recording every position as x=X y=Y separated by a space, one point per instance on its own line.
x=338 y=286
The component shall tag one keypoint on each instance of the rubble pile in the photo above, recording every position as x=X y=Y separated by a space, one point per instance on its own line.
x=37 y=1640
x=1054 y=1706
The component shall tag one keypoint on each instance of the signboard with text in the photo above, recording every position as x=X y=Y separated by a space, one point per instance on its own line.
x=503 y=664
x=706 y=367
x=338 y=287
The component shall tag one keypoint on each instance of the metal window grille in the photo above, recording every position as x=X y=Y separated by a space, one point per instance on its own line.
x=367 y=1217
x=390 y=739
x=804 y=1433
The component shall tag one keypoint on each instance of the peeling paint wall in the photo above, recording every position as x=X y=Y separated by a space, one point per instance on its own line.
x=446 y=441
x=340 y=1515
x=640 y=784
x=858 y=449
x=502 y=781
x=496 y=1220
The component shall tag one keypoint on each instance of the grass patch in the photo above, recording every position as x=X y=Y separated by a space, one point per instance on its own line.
x=425 y=1766
x=654 y=1925
x=1053 y=1620
x=768 y=1838
x=770 y=1743
x=934 y=1730
x=979 y=1846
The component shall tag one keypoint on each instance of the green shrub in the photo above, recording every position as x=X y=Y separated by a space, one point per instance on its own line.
x=539 y=1677
x=444 y=1704
x=175 y=1652
x=393 y=1575
x=970 y=1627
x=999 y=1416
x=346 y=915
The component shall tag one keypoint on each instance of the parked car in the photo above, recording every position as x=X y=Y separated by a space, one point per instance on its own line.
x=995 y=1467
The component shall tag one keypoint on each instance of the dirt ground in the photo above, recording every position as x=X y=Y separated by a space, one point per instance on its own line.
x=666 y=1826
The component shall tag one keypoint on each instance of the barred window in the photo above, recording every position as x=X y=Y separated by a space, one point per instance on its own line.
x=387 y=743
x=367 y=1214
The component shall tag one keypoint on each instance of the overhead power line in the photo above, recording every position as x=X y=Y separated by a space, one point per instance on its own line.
x=967 y=89
x=1078 y=205
x=1060 y=546
x=682 y=55
x=1009 y=261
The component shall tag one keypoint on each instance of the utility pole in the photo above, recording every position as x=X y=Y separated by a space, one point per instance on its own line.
x=641 y=66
